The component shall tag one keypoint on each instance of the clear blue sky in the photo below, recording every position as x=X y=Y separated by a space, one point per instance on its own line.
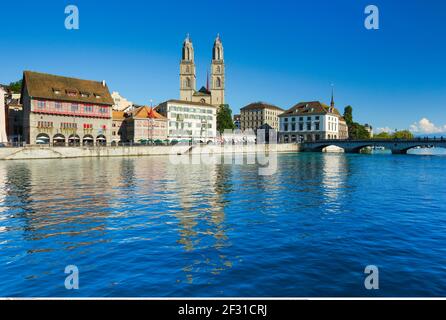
x=278 y=51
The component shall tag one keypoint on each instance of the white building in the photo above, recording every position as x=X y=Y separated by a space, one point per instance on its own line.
x=190 y=121
x=3 y=135
x=120 y=103
x=310 y=121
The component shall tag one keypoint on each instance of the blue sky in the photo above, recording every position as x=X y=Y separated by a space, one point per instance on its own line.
x=281 y=52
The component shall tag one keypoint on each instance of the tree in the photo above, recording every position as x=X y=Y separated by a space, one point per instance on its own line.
x=15 y=87
x=383 y=135
x=356 y=131
x=348 y=115
x=404 y=134
x=224 y=118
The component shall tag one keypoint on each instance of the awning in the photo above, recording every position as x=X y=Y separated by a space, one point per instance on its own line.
x=73 y=138
x=59 y=138
x=101 y=139
x=88 y=138
x=41 y=141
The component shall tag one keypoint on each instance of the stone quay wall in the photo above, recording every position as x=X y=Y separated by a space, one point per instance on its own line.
x=45 y=152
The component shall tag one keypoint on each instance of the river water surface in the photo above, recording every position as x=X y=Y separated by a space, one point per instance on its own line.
x=144 y=227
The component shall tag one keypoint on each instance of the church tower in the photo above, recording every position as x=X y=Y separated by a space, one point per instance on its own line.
x=187 y=71
x=217 y=74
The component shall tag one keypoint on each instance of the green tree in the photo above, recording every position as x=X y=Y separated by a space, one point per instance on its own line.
x=348 y=115
x=404 y=134
x=15 y=87
x=358 y=132
x=383 y=135
x=224 y=118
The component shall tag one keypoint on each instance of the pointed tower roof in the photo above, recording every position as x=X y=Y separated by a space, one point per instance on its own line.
x=187 y=39
x=332 y=103
x=217 y=39
x=217 y=51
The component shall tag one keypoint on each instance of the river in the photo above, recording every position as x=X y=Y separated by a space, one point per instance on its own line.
x=145 y=227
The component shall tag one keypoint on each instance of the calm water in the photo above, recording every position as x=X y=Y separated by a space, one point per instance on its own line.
x=145 y=227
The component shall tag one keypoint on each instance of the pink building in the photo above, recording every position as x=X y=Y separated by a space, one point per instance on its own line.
x=65 y=111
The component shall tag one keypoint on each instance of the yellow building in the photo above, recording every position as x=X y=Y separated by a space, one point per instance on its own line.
x=258 y=114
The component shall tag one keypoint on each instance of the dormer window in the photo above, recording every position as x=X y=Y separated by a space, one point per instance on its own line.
x=71 y=93
x=85 y=94
x=56 y=91
x=97 y=96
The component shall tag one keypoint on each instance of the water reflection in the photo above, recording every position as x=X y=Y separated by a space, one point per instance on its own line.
x=200 y=191
x=334 y=172
x=146 y=227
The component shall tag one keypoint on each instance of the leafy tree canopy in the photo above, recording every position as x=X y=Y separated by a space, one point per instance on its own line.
x=348 y=115
x=356 y=131
x=224 y=118
x=15 y=87
x=404 y=135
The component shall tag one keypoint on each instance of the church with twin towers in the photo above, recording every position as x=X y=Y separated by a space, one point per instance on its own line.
x=214 y=91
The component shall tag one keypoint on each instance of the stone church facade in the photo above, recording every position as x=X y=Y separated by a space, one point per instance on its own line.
x=214 y=92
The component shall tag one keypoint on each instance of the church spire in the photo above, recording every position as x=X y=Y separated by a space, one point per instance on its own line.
x=188 y=49
x=332 y=103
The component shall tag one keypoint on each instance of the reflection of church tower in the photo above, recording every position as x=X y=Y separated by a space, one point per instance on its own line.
x=187 y=71
x=218 y=73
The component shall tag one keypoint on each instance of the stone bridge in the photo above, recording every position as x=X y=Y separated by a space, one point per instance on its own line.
x=397 y=146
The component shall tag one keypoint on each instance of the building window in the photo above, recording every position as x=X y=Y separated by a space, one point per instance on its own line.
x=41 y=104
x=74 y=107
x=301 y=127
x=58 y=105
x=309 y=126
x=316 y=126
x=285 y=127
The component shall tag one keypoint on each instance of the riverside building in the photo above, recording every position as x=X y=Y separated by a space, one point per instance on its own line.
x=258 y=114
x=189 y=121
x=146 y=125
x=65 y=111
x=311 y=121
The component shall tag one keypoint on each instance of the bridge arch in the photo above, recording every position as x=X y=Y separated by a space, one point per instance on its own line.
x=395 y=146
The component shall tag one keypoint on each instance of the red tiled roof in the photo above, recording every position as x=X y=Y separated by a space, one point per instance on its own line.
x=118 y=115
x=147 y=112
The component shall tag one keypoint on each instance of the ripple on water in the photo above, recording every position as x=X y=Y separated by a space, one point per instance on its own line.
x=145 y=227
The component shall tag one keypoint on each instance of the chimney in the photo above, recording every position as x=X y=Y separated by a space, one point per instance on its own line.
x=104 y=83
